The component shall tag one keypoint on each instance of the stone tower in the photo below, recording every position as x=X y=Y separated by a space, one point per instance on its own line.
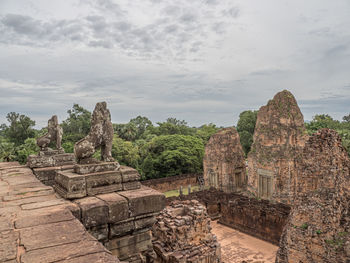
x=318 y=226
x=224 y=163
x=278 y=139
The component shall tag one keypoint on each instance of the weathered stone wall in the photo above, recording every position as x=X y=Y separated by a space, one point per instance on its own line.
x=122 y=221
x=318 y=229
x=224 y=162
x=171 y=183
x=182 y=233
x=259 y=218
x=279 y=137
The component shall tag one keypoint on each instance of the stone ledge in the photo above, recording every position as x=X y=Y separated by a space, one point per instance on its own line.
x=96 y=167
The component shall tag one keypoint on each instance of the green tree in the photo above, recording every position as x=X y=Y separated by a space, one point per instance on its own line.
x=346 y=118
x=77 y=125
x=128 y=132
x=19 y=129
x=169 y=155
x=321 y=121
x=173 y=126
x=142 y=124
x=206 y=131
x=245 y=127
x=7 y=150
x=125 y=152
x=24 y=150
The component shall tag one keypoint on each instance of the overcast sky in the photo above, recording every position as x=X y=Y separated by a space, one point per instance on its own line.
x=200 y=60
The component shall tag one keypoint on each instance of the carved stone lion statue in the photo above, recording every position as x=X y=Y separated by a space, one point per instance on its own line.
x=54 y=134
x=100 y=135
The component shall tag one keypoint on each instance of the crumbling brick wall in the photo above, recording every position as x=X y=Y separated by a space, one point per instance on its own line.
x=279 y=137
x=224 y=163
x=259 y=218
x=182 y=233
x=318 y=229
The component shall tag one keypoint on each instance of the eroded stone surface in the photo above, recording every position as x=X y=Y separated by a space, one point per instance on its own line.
x=144 y=200
x=279 y=137
x=318 y=229
x=37 y=226
x=224 y=162
x=54 y=134
x=100 y=136
x=182 y=233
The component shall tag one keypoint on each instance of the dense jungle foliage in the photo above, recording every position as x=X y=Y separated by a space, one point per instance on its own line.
x=155 y=150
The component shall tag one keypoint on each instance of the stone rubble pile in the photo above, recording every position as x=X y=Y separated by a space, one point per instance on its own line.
x=182 y=233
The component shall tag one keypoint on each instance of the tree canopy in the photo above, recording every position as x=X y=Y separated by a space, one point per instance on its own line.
x=245 y=127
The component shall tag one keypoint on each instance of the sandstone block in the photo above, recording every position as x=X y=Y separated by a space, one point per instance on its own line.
x=121 y=228
x=35 y=161
x=144 y=200
x=8 y=247
x=131 y=185
x=64 y=159
x=51 y=152
x=46 y=173
x=103 y=182
x=94 y=212
x=129 y=174
x=49 y=235
x=96 y=167
x=99 y=232
x=70 y=185
x=117 y=205
x=145 y=222
x=125 y=246
x=63 y=252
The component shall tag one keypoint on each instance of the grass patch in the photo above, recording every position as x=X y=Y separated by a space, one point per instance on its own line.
x=176 y=192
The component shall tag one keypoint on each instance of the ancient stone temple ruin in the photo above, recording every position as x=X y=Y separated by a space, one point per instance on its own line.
x=182 y=233
x=114 y=207
x=49 y=161
x=278 y=138
x=318 y=229
x=224 y=163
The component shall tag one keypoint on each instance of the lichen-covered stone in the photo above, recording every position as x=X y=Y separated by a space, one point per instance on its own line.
x=318 y=228
x=223 y=162
x=279 y=137
x=54 y=134
x=100 y=136
x=182 y=233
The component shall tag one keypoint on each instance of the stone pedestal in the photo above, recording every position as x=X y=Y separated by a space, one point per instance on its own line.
x=92 y=179
x=47 y=163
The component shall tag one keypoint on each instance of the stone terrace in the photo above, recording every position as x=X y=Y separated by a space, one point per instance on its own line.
x=38 y=226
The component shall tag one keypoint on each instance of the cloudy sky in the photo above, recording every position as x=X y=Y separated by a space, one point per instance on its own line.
x=200 y=60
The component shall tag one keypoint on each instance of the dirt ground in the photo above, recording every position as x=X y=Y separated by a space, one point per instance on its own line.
x=237 y=246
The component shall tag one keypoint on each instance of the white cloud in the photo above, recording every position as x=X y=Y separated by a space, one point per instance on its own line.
x=203 y=61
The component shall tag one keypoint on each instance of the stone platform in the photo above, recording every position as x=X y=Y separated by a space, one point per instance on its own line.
x=38 y=226
x=90 y=180
x=46 y=164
